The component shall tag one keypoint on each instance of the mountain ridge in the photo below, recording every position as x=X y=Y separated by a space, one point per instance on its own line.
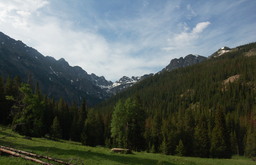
x=184 y=62
x=56 y=77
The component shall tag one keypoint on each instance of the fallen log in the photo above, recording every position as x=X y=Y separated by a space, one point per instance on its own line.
x=121 y=150
x=23 y=156
x=35 y=155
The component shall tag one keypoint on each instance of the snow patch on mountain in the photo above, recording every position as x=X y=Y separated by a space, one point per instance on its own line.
x=221 y=51
x=125 y=82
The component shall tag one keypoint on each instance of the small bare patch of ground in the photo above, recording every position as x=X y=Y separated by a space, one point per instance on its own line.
x=187 y=93
x=231 y=79
x=252 y=52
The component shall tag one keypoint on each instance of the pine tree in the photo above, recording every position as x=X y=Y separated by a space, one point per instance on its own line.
x=9 y=101
x=1 y=90
x=135 y=124
x=127 y=124
x=234 y=143
x=201 y=139
x=65 y=118
x=118 y=125
x=56 y=132
x=180 y=149
x=148 y=133
x=93 y=128
x=250 y=147
x=169 y=137
x=3 y=111
x=156 y=132
x=28 y=121
x=220 y=142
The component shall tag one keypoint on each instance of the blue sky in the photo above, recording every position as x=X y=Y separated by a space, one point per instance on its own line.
x=114 y=38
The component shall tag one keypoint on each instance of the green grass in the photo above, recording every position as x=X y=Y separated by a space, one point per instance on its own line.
x=77 y=154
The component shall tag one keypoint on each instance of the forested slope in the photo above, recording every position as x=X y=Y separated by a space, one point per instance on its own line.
x=203 y=110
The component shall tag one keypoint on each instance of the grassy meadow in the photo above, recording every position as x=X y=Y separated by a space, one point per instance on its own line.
x=75 y=153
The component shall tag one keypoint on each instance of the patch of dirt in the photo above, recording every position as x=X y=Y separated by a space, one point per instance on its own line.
x=252 y=52
x=231 y=79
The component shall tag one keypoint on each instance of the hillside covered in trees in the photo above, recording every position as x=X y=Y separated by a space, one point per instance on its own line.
x=204 y=110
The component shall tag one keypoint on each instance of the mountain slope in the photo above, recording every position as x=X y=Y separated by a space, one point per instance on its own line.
x=56 y=78
x=184 y=62
x=212 y=71
x=212 y=101
x=126 y=82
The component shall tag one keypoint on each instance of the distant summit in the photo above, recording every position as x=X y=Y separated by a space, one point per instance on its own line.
x=126 y=82
x=220 y=52
x=183 y=62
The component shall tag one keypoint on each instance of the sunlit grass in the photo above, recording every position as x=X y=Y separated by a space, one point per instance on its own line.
x=77 y=154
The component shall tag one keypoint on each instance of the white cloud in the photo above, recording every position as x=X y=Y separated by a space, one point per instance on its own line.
x=16 y=12
x=112 y=45
x=56 y=37
x=200 y=27
x=186 y=38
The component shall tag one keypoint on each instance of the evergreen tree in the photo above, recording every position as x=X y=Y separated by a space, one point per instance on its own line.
x=136 y=123
x=169 y=137
x=118 y=125
x=93 y=128
x=250 y=147
x=127 y=125
x=180 y=149
x=65 y=118
x=9 y=101
x=79 y=117
x=220 y=141
x=156 y=134
x=234 y=143
x=201 y=139
x=56 y=132
x=29 y=120
x=148 y=133
x=3 y=111
x=1 y=90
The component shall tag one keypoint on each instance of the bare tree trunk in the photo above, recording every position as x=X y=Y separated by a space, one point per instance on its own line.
x=33 y=155
x=23 y=156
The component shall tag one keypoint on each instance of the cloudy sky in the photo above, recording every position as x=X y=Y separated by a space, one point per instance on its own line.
x=128 y=37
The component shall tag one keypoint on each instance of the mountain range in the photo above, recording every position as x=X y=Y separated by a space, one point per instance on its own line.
x=57 y=79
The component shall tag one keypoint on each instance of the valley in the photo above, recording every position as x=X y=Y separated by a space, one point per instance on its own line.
x=197 y=109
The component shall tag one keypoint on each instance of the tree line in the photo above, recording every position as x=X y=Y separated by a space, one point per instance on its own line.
x=30 y=113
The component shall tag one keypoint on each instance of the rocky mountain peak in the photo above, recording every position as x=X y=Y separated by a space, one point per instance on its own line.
x=56 y=78
x=220 y=52
x=183 y=62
